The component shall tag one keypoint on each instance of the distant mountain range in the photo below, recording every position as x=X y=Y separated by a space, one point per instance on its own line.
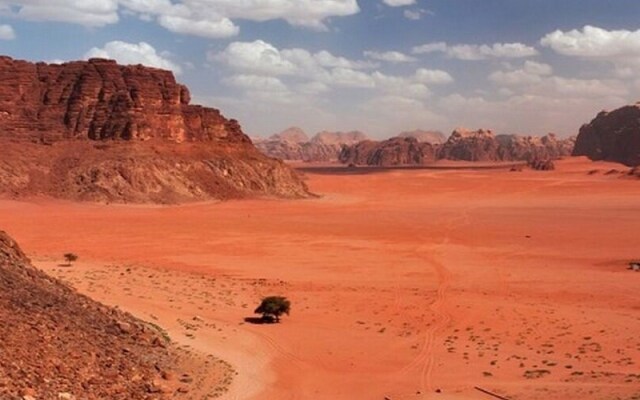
x=412 y=147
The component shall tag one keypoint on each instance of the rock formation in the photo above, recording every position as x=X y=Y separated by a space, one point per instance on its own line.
x=480 y=145
x=390 y=152
x=323 y=146
x=612 y=136
x=338 y=138
x=290 y=135
x=533 y=148
x=59 y=344
x=462 y=145
x=140 y=138
x=432 y=137
x=542 y=165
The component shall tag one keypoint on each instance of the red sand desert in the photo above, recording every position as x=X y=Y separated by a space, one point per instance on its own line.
x=405 y=284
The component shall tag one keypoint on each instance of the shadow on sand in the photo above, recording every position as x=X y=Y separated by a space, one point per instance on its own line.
x=260 y=320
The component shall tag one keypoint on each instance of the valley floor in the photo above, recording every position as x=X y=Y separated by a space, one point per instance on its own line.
x=403 y=283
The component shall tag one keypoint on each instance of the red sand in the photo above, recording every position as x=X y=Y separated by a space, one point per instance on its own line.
x=402 y=282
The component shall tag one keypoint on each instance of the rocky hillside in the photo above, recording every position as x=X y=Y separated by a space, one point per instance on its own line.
x=57 y=344
x=462 y=145
x=612 y=136
x=291 y=145
x=123 y=133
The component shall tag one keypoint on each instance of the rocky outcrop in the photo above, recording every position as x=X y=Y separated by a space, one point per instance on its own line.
x=612 y=136
x=533 y=148
x=139 y=139
x=322 y=147
x=59 y=344
x=462 y=145
x=99 y=99
x=542 y=165
x=480 y=145
x=432 y=137
x=390 y=152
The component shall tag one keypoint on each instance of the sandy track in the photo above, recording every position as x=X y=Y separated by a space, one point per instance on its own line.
x=402 y=282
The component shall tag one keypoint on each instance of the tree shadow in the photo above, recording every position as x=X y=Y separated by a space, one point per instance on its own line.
x=260 y=320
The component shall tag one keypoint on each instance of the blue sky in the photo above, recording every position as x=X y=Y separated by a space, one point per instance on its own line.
x=380 y=66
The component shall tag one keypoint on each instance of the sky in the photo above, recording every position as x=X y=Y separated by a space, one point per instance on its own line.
x=379 y=66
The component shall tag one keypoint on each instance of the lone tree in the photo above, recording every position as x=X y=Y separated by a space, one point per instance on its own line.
x=70 y=257
x=273 y=307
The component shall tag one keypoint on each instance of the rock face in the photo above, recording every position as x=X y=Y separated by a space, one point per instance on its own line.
x=612 y=136
x=480 y=145
x=432 y=137
x=97 y=107
x=322 y=147
x=99 y=99
x=533 y=148
x=390 y=152
x=462 y=145
x=57 y=343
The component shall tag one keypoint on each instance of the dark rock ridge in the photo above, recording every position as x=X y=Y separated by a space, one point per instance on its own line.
x=462 y=145
x=323 y=146
x=134 y=124
x=57 y=343
x=612 y=136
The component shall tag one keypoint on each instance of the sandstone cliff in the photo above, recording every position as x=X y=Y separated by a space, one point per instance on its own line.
x=612 y=136
x=96 y=130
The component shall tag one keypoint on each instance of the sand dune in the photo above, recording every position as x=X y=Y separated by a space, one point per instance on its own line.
x=402 y=283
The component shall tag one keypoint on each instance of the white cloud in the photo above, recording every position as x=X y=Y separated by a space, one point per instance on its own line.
x=94 y=13
x=205 y=28
x=416 y=14
x=345 y=77
x=208 y=18
x=430 y=48
x=7 y=32
x=621 y=48
x=263 y=58
x=399 y=3
x=394 y=57
x=594 y=42
x=258 y=56
x=432 y=76
x=531 y=72
x=256 y=82
x=312 y=88
x=132 y=53
x=323 y=70
x=471 y=52
x=537 y=79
